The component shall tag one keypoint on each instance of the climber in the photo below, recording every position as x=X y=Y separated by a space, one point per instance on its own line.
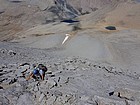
x=38 y=71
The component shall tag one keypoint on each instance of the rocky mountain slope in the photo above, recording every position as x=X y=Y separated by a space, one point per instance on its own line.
x=95 y=66
x=68 y=81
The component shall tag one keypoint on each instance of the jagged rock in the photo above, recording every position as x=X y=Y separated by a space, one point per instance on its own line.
x=18 y=84
x=71 y=67
x=106 y=101
x=37 y=94
x=21 y=79
x=25 y=99
x=69 y=59
x=41 y=97
x=36 y=88
x=132 y=102
x=51 y=100
x=4 y=101
x=23 y=64
x=11 y=52
x=58 y=93
x=51 y=83
x=12 y=65
x=127 y=94
x=49 y=72
x=3 y=66
x=84 y=98
x=12 y=81
x=3 y=51
x=57 y=63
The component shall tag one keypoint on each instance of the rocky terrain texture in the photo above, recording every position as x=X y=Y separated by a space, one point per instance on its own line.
x=95 y=66
x=68 y=81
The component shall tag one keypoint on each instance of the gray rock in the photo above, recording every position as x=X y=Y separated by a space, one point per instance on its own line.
x=3 y=66
x=71 y=67
x=51 y=100
x=12 y=81
x=4 y=101
x=58 y=93
x=128 y=94
x=84 y=98
x=41 y=97
x=106 y=101
x=51 y=83
x=3 y=51
x=11 y=52
x=36 y=88
x=25 y=99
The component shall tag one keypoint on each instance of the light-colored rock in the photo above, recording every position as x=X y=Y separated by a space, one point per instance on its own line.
x=71 y=67
x=36 y=88
x=51 y=100
x=129 y=94
x=84 y=98
x=106 y=101
x=41 y=97
x=11 y=52
x=4 y=101
x=58 y=93
x=51 y=83
x=25 y=99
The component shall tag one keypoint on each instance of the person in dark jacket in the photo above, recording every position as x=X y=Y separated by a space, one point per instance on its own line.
x=38 y=71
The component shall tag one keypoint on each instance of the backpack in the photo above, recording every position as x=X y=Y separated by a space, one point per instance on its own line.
x=42 y=67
